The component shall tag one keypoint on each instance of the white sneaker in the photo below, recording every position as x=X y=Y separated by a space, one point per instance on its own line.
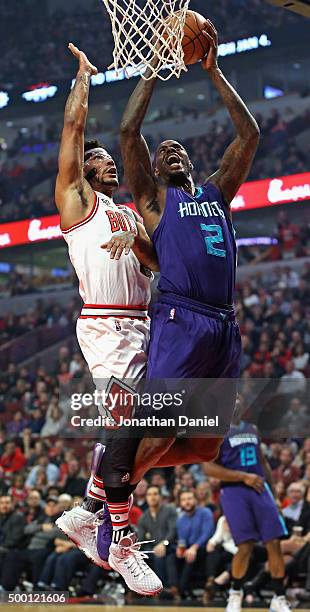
x=126 y=559
x=234 y=603
x=279 y=603
x=81 y=527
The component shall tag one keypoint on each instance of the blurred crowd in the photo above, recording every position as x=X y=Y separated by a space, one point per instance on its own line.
x=277 y=155
x=273 y=311
x=43 y=315
x=42 y=473
x=290 y=237
x=178 y=508
x=32 y=55
x=35 y=280
x=16 y=181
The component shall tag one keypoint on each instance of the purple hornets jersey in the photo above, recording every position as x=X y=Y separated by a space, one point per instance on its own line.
x=196 y=247
x=240 y=450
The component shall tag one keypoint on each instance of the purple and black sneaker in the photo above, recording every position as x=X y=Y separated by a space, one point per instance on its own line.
x=104 y=535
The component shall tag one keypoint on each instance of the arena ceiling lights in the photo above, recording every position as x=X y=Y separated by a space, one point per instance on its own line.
x=42 y=92
x=4 y=99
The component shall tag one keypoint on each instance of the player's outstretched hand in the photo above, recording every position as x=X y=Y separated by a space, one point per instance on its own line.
x=85 y=64
x=119 y=244
x=210 y=60
x=255 y=481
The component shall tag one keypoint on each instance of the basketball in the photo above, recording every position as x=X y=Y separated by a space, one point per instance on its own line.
x=195 y=44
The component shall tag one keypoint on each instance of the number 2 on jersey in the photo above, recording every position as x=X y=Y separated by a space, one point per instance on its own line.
x=215 y=238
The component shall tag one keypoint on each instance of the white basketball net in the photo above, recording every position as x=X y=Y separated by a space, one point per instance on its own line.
x=148 y=29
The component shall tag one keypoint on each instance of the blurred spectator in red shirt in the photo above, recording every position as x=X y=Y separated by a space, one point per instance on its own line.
x=134 y=515
x=288 y=235
x=281 y=495
x=13 y=459
x=287 y=472
x=18 y=491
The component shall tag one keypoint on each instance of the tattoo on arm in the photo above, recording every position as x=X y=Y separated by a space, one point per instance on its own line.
x=71 y=154
x=77 y=104
x=238 y=157
x=135 y=152
x=242 y=119
x=137 y=105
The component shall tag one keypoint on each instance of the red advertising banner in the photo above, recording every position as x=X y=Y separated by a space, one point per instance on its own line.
x=269 y=192
x=256 y=194
x=28 y=231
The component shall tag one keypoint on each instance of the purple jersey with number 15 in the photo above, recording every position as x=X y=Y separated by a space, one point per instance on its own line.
x=195 y=246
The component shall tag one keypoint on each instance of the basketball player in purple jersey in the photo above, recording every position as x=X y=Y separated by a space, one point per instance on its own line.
x=193 y=329
x=250 y=509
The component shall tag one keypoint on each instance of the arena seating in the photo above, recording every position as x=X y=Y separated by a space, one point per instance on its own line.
x=273 y=311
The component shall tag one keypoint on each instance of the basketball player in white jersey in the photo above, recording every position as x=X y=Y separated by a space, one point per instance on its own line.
x=113 y=329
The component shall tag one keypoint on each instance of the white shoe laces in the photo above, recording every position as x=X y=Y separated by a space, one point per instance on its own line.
x=135 y=562
x=98 y=519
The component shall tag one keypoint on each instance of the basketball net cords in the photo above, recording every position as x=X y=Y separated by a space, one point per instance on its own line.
x=141 y=34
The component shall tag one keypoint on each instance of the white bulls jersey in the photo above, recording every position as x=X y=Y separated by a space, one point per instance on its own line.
x=104 y=281
x=113 y=328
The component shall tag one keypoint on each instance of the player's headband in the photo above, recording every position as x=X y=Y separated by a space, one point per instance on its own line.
x=92 y=152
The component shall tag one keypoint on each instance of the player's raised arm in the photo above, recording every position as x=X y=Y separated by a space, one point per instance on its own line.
x=135 y=152
x=72 y=190
x=238 y=157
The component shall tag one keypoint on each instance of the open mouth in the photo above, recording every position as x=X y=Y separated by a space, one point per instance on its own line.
x=173 y=159
x=111 y=173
